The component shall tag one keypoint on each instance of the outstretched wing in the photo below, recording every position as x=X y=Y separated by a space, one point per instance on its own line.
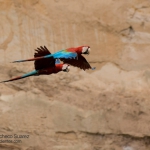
x=43 y=63
x=80 y=62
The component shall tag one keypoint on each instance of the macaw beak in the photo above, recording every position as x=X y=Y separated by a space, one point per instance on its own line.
x=89 y=49
x=68 y=69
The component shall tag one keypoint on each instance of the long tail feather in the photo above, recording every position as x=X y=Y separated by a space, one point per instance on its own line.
x=31 y=59
x=23 y=76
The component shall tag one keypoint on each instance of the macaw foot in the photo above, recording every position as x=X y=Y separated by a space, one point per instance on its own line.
x=93 y=68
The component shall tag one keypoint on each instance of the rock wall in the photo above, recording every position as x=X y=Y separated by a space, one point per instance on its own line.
x=105 y=109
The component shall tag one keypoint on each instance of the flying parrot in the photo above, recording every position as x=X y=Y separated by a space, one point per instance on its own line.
x=72 y=56
x=44 y=66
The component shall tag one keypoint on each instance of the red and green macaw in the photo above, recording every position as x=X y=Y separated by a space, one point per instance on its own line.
x=44 y=66
x=72 y=56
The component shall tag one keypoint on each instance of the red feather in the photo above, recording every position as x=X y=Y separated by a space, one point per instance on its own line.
x=50 y=70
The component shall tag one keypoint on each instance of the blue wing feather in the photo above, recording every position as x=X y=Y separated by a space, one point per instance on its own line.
x=64 y=54
x=57 y=61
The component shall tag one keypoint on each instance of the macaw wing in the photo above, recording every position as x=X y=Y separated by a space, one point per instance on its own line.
x=80 y=62
x=43 y=63
x=42 y=51
x=64 y=54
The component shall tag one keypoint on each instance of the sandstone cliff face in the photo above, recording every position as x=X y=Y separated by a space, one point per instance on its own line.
x=105 y=109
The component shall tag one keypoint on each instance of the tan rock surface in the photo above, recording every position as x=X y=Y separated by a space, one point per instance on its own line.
x=105 y=109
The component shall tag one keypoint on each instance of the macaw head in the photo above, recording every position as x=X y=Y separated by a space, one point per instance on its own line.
x=65 y=68
x=85 y=50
